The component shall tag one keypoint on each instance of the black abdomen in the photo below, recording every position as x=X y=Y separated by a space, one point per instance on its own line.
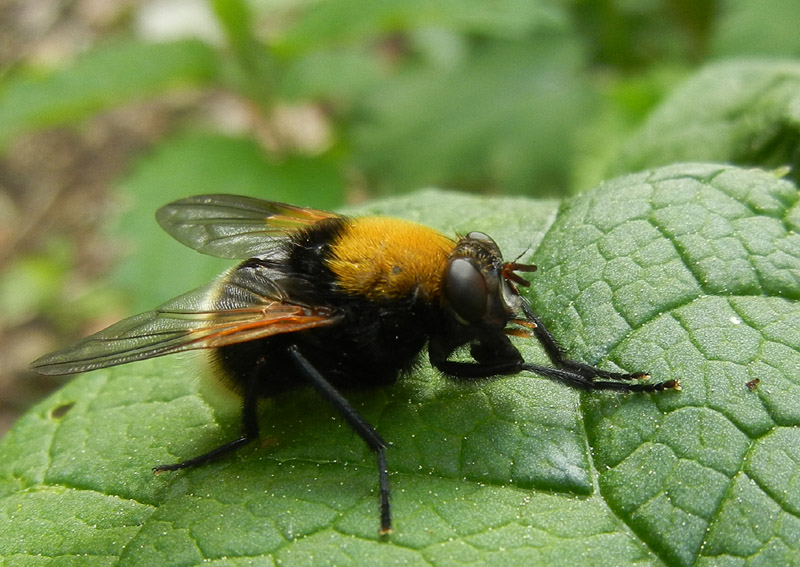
x=363 y=351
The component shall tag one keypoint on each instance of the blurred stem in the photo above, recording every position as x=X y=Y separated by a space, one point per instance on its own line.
x=257 y=72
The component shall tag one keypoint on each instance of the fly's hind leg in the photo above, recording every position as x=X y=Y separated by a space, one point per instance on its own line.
x=374 y=441
x=249 y=430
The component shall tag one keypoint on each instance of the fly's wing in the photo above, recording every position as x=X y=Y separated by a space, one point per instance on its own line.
x=232 y=226
x=242 y=305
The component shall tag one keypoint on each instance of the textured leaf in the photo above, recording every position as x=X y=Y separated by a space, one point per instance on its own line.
x=690 y=272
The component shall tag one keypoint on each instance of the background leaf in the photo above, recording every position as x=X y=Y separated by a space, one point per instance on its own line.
x=101 y=79
x=765 y=29
x=349 y=20
x=744 y=112
x=517 y=470
x=480 y=119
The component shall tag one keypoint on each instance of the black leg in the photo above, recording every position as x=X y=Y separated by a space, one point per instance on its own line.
x=584 y=382
x=249 y=430
x=359 y=425
x=497 y=357
x=475 y=370
x=582 y=375
x=466 y=371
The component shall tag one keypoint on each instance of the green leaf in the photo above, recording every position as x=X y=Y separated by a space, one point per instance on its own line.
x=689 y=272
x=481 y=120
x=743 y=112
x=256 y=72
x=103 y=78
x=766 y=28
x=341 y=75
x=235 y=17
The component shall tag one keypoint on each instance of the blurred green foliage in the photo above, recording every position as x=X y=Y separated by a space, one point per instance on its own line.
x=500 y=97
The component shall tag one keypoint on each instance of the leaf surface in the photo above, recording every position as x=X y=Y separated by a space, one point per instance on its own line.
x=519 y=470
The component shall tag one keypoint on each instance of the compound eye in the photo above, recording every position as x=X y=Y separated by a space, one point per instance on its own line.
x=465 y=289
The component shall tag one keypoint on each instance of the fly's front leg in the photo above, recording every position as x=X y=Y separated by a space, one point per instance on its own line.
x=581 y=375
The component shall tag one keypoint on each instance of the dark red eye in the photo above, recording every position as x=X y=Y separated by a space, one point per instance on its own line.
x=465 y=289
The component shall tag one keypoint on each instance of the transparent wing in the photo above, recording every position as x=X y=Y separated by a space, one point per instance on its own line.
x=239 y=307
x=232 y=226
